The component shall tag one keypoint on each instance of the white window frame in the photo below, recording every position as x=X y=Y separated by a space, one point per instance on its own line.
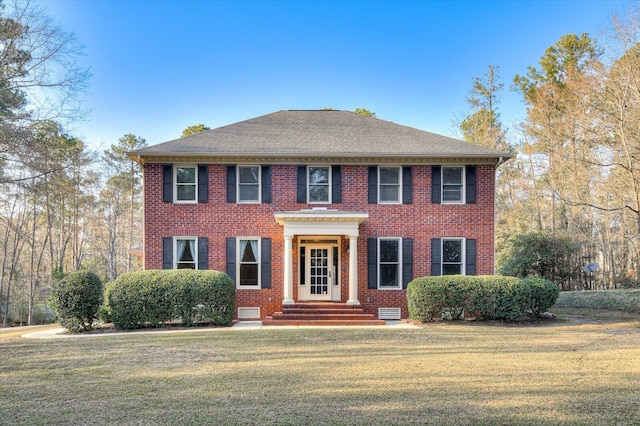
x=176 y=259
x=238 y=184
x=462 y=189
x=176 y=184
x=463 y=259
x=399 y=184
x=329 y=184
x=399 y=262
x=239 y=263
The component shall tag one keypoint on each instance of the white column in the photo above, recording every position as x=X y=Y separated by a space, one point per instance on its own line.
x=288 y=271
x=353 y=271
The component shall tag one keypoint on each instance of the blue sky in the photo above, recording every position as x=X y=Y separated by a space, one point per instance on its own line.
x=160 y=66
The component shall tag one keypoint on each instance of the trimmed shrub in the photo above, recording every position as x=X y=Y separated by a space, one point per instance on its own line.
x=155 y=298
x=457 y=296
x=77 y=298
x=544 y=294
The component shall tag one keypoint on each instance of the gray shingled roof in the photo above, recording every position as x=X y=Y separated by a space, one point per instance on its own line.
x=317 y=134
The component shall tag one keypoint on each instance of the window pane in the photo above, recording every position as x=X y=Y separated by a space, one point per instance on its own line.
x=451 y=269
x=186 y=192
x=248 y=192
x=452 y=175
x=318 y=193
x=186 y=175
x=249 y=274
x=389 y=175
x=388 y=250
x=452 y=193
x=318 y=175
x=186 y=266
x=186 y=255
x=248 y=174
x=247 y=255
x=388 y=275
x=452 y=251
x=389 y=193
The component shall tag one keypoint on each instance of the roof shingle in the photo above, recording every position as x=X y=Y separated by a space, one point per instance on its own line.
x=322 y=133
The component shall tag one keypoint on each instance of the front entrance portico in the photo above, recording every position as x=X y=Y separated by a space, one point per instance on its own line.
x=320 y=222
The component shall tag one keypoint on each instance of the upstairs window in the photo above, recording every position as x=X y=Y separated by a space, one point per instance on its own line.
x=319 y=184
x=389 y=182
x=186 y=179
x=248 y=184
x=185 y=183
x=452 y=184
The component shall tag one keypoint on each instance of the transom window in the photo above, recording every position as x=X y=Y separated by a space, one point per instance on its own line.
x=186 y=179
x=186 y=254
x=249 y=184
x=389 y=263
x=389 y=180
x=319 y=181
x=452 y=257
x=249 y=263
x=452 y=184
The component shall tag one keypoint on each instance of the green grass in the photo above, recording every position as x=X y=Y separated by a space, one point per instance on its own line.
x=583 y=368
x=624 y=300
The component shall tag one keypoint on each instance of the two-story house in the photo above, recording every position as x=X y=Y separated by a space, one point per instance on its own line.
x=319 y=206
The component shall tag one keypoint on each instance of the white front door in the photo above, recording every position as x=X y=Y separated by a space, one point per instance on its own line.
x=320 y=269
x=320 y=280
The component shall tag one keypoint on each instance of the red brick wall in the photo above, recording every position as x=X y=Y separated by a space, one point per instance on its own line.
x=421 y=221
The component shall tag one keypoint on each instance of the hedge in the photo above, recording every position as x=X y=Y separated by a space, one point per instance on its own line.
x=544 y=294
x=457 y=296
x=77 y=298
x=155 y=298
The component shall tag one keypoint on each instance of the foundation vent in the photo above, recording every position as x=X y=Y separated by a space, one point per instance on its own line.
x=248 y=313
x=389 y=313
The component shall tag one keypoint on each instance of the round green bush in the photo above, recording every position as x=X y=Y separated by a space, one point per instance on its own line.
x=155 y=298
x=544 y=294
x=77 y=299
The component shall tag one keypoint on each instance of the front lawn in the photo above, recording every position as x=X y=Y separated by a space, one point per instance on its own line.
x=583 y=368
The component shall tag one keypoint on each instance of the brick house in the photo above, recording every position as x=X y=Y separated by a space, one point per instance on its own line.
x=329 y=207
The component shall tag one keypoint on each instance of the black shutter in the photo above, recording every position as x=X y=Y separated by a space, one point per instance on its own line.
x=266 y=184
x=436 y=257
x=470 y=181
x=372 y=263
x=407 y=185
x=167 y=253
x=231 y=184
x=231 y=258
x=336 y=184
x=407 y=261
x=302 y=184
x=203 y=253
x=470 y=257
x=167 y=183
x=436 y=184
x=203 y=184
x=373 y=184
x=265 y=262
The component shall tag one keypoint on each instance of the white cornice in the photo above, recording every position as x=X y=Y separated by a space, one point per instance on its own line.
x=368 y=160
